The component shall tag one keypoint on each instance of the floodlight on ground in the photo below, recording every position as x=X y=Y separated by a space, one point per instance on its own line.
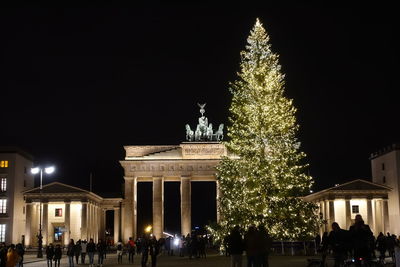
x=148 y=229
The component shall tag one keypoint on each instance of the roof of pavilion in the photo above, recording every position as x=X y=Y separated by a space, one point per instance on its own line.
x=354 y=189
x=56 y=187
x=57 y=190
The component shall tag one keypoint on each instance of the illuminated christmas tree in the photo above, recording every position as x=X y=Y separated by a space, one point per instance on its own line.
x=264 y=178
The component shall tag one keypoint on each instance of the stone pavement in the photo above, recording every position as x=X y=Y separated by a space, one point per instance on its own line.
x=172 y=261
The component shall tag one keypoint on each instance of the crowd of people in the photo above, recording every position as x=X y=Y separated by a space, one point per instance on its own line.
x=12 y=255
x=357 y=244
x=193 y=245
x=256 y=243
x=84 y=252
x=77 y=250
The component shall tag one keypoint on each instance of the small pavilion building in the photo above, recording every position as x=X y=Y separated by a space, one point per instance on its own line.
x=342 y=203
x=68 y=212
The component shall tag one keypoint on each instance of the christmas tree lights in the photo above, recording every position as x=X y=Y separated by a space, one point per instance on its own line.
x=263 y=180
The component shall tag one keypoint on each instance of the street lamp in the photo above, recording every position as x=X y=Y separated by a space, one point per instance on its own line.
x=36 y=170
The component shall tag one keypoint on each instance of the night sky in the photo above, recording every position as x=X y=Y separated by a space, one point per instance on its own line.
x=79 y=84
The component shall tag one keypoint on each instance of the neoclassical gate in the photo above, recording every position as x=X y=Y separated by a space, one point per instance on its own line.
x=184 y=163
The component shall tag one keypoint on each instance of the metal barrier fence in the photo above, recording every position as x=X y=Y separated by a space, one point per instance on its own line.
x=294 y=248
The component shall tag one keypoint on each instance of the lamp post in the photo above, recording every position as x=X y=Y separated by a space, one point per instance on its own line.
x=36 y=170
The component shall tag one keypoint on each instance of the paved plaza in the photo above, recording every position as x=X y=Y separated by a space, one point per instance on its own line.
x=212 y=260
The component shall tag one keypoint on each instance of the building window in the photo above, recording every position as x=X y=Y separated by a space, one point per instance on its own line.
x=58 y=213
x=383 y=166
x=2 y=233
x=4 y=164
x=355 y=209
x=3 y=185
x=3 y=206
x=57 y=234
x=384 y=179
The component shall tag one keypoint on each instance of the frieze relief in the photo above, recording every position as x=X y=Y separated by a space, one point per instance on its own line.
x=203 y=151
x=140 y=151
x=136 y=168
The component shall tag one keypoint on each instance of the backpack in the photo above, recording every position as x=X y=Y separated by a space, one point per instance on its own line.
x=119 y=247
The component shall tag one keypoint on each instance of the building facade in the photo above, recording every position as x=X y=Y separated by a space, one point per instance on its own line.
x=185 y=163
x=343 y=202
x=15 y=177
x=71 y=212
x=68 y=212
x=385 y=165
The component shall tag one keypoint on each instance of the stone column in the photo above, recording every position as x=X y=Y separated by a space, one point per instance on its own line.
x=127 y=212
x=186 y=223
x=323 y=211
x=45 y=223
x=385 y=210
x=134 y=217
x=84 y=233
x=28 y=224
x=379 y=226
x=103 y=224
x=348 y=214
x=158 y=206
x=67 y=223
x=90 y=229
x=89 y=223
x=331 y=213
x=369 y=214
x=96 y=223
x=320 y=215
x=116 y=225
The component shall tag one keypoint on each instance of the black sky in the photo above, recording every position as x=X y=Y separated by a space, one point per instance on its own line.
x=78 y=84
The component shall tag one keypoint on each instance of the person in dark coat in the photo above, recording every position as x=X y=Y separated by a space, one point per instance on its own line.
x=317 y=240
x=91 y=249
x=57 y=256
x=101 y=248
x=20 y=251
x=145 y=250
x=77 y=251
x=390 y=244
x=154 y=249
x=252 y=245
x=71 y=252
x=361 y=236
x=266 y=244
x=3 y=254
x=338 y=241
x=235 y=247
x=324 y=247
x=381 y=245
x=49 y=254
